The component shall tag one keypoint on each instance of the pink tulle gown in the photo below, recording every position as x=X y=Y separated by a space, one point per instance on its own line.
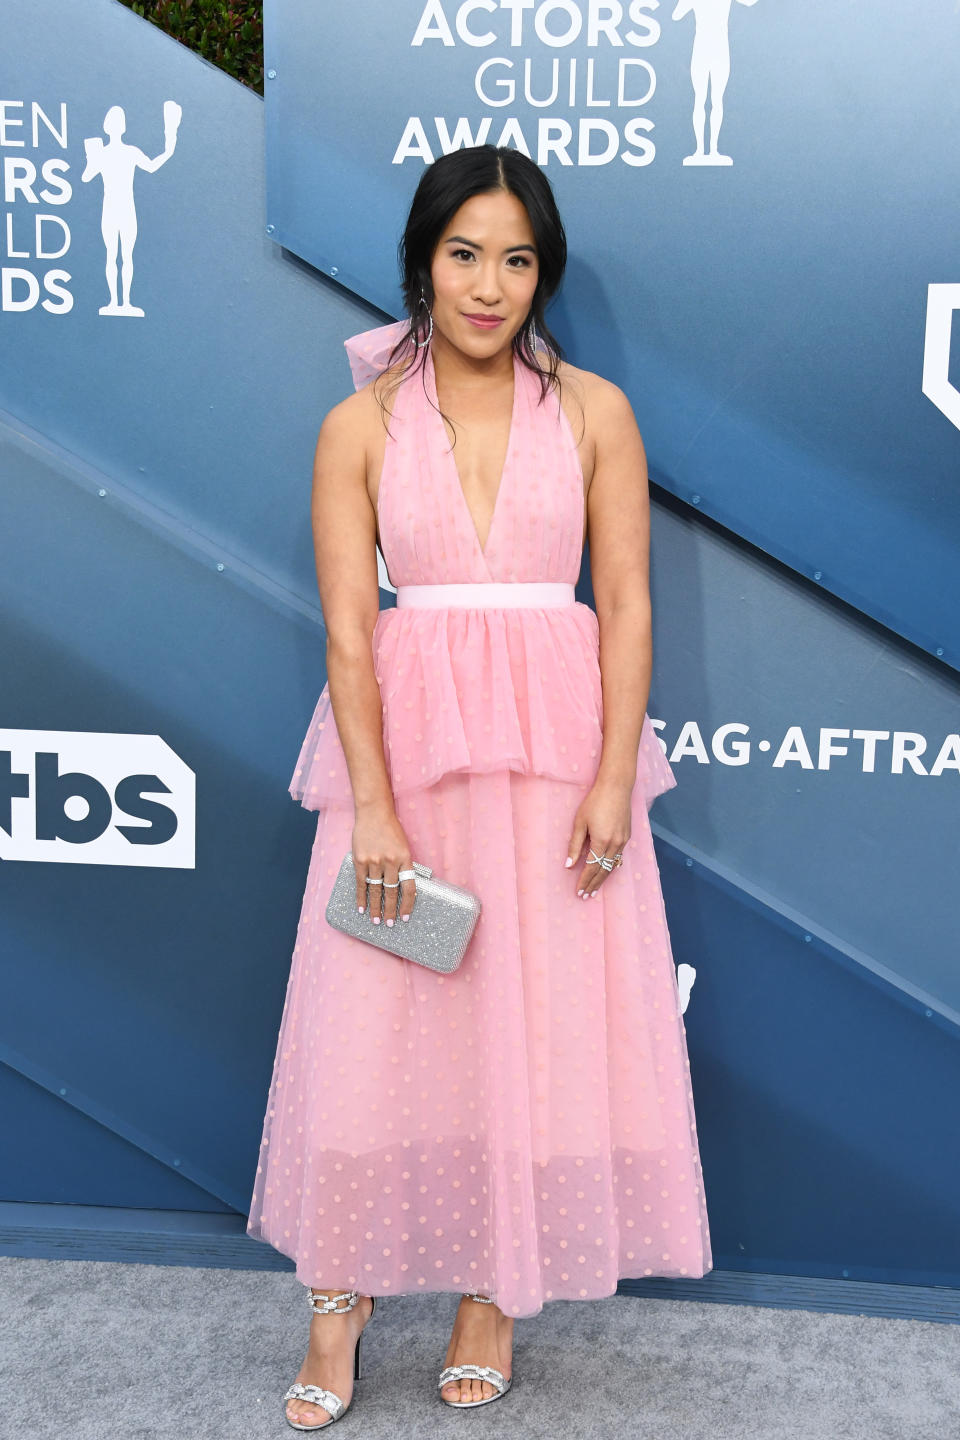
x=523 y=1127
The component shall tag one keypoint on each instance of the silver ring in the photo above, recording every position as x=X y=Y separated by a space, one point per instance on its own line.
x=390 y=884
x=407 y=874
x=372 y=881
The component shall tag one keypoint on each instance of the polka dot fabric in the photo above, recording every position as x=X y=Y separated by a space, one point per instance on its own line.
x=477 y=689
x=523 y=1127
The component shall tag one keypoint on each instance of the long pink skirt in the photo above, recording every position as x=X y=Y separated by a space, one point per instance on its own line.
x=523 y=1127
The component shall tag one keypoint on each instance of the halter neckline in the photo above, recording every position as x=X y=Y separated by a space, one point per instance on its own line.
x=431 y=384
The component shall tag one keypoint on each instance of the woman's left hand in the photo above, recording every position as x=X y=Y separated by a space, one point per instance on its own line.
x=603 y=821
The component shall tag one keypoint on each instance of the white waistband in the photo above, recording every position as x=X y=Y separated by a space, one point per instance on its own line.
x=485 y=593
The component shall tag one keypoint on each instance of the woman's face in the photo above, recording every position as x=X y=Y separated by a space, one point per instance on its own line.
x=485 y=264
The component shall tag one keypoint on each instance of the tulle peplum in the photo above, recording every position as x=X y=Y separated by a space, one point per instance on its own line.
x=535 y=708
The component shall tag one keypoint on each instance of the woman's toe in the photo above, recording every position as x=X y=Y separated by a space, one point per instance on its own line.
x=307 y=1413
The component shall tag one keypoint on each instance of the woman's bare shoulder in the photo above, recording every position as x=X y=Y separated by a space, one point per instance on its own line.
x=352 y=416
x=594 y=389
x=595 y=408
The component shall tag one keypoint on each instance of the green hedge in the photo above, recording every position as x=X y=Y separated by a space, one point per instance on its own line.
x=228 y=33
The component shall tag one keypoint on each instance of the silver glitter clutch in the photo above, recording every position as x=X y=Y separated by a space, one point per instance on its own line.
x=441 y=922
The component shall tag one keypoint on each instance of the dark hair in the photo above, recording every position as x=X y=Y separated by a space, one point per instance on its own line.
x=447 y=184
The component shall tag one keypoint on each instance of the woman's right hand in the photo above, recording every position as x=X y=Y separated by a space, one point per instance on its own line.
x=380 y=848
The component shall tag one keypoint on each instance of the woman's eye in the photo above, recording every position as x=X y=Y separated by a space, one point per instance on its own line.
x=524 y=262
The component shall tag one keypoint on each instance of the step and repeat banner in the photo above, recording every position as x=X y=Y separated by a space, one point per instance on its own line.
x=759 y=199
x=761 y=219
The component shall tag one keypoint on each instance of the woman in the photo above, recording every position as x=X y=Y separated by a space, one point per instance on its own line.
x=521 y=1129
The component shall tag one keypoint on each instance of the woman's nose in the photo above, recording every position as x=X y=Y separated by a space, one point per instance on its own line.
x=486 y=287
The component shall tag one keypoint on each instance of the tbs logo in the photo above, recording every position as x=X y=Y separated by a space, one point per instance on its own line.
x=87 y=798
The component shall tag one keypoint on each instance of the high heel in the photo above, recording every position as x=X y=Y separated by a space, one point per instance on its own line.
x=473 y=1372
x=317 y=1396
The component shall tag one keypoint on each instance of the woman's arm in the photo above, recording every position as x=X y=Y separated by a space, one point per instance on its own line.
x=618 y=528
x=344 y=537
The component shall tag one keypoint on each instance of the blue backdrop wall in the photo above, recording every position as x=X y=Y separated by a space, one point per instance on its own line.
x=764 y=296
x=161 y=641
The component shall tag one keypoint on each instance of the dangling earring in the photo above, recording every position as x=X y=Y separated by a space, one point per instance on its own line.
x=423 y=301
x=534 y=337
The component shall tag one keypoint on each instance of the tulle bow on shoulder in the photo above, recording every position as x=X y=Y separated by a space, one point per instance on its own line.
x=369 y=352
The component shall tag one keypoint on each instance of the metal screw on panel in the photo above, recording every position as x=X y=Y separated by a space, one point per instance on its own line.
x=271 y=74
x=334 y=270
x=220 y=566
x=939 y=650
x=101 y=493
x=695 y=499
x=271 y=229
x=63 y=1092
x=817 y=574
x=807 y=939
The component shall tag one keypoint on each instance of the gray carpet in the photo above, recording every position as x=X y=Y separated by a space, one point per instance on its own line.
x=96 y=1349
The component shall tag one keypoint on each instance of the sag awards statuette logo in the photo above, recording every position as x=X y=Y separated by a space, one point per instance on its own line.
x=608 y=77
x=709 y=66
x=37 y=236
x=117 y=164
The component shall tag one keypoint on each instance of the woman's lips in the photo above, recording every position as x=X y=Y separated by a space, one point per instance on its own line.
x=485 y=322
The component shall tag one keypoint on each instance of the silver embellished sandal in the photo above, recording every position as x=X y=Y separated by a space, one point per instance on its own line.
x=317 y=1396
x=473 y=1372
